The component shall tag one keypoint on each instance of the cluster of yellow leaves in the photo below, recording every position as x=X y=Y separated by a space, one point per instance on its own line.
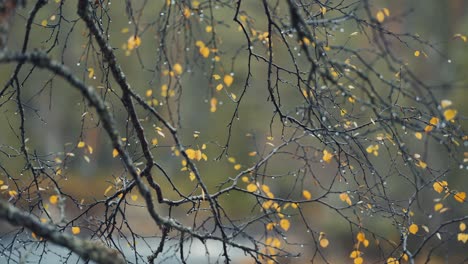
x=462 y=237
x=204 y=50
x=196 y=154
x=4 y=187
x=381 y=14
x=356 y=254
x=432 y=123
x=440 y=186
x=374 y=149
x=345 y=198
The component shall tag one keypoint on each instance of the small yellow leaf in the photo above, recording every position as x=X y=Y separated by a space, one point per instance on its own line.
x=323 y=10
x=462 y=226
x=213 y=104
x=134 y=197
x=418 y=135
x=219 y=87
x=53 y=199
x=462 y=237
x=115 y=153
x=460 y=197
x=432 y=123
x=76 y=230
x=386 y=11
x=192 y=176
x=216 y=76
x=358 y=260
x=245 y=179
x=450 y=114
x=324 y=242
x=228 y=80
x=392 y=261
x=154 y=141
x=107 y=190
x=44 y=23
x=208 y=29
x=460 y=36
x=417 y=53
x=327 y=156
x=253 y=153
x=186 y=12
x=149 y=92
x=237 y=167
x=285 y=224
x=361 y=237
x=81 y=144
x=205 y=51
x=366 y=243
x=413 y=229
x=438 y=206
x=306 y=194
x=445 y=103
x=380 y=16
x=133 y=42
x=90 y=73
x=177 y=68
x=251 y=187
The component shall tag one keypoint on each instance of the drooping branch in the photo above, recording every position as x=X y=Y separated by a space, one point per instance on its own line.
x=86 y=249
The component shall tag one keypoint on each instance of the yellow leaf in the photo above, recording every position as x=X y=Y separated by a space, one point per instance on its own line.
x=81 y=144
x=134 y=197
x=237 y=167
x=450 y=114
x=366 y=243
x=208 y=29
x=327 y=156
x=253 y=153
x=413 y=229
x=213 y=104
x=251 y=187
x=323 y=10
x=245 y=179
x=90 y=73
x=358 y=260
x=115 y=153
x=228 y=80
x=306 y=194
x=270 y=226
x=205 y=51
x=133 y=42
x=462 y=226
x=216 y=76
x=285 y=224
x=417 y=53
x=192 y=176
x=392 y=261
x=380 y=16
x=462 y=237
x=386 y=11
x=445 y=103
x=154 y=141
x=418 y=135
x=53 y=199
x=76 y=230
x=107 y=189
x=345 y=198
x=186 y=12
x=324 y=242
x=149 y=92
x=460 y=36
x=361 y=237
x=422 y=164
x=460 y=197
x=177 y=68
x=219 y=87
x=438 y=206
